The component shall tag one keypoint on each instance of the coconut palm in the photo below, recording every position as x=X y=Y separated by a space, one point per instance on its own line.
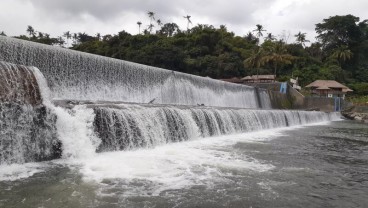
x=256 y=59
x=75 y=38
x=342 y=54
x=270 y=37
x=259 y=29
x=68 y=36
x=31 y=31
x=278 y=56
x=251 y=38
x=300 y=38
x=139 y=23
x=159 y=22
x=40 y=35
x=151 y=15
x=150 y=27
x=188 y=20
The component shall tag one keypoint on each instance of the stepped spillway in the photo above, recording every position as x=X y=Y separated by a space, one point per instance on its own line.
x=82 y=76
x=35 y=128
x=122 y=127
x=27 y=127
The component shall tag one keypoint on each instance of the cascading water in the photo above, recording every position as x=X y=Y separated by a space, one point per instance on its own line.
x=27 y=128
x=133 y=126
x=33 y=128
x=81 y=76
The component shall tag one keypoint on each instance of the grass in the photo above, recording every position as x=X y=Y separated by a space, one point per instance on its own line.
x=359 y=100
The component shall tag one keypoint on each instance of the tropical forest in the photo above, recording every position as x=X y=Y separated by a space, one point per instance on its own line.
x=340 y=52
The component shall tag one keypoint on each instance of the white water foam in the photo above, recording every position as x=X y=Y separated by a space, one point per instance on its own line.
x=74 y=127
x=75 y=130
x=15 y=172
x=177 y=165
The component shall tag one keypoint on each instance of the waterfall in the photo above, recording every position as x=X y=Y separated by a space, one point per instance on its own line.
x=74 y=75
x=185 y=107
x=31 y=127
x=27 y=128
x=122 y=127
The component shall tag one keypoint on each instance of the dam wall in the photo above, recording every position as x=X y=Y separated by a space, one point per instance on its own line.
x=27 y=127
x=73 y=75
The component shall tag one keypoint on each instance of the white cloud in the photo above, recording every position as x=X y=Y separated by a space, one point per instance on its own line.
x=112 y=16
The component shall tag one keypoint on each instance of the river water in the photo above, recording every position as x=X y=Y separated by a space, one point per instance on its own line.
x=321 y=165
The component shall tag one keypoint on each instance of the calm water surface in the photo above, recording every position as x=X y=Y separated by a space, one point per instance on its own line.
x=314 y=166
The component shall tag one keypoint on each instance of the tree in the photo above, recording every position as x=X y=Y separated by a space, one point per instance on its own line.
x=151 y=15
x=251 y=38
x=169 y=29
x=40 y=35
x=256 y=59
x=98 y=36
x=75 y=38
x=342 y=54
x=188 y=21
x=68 y=36
x=278 y=56
x=159 y=22
x=339 y=30
x=300 y=38
x=31 y=31
x=270 y=37
x=150 y=27
x=259 y=29
x=2 y=33
x=139 y=23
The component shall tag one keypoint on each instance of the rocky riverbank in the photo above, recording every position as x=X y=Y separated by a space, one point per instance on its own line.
x=357 y=113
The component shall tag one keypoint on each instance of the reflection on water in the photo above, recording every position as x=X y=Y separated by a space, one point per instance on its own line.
x=313 y=166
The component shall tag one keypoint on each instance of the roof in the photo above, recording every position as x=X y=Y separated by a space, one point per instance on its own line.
x=233 y=80
x=323 y=88
x=324 y=84
x=254 y=77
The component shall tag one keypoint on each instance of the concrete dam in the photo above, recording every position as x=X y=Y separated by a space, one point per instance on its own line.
x=56 y=102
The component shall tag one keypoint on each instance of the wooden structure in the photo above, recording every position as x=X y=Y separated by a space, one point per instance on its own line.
x=328 y=88
x=259 y=79
x=233 y=80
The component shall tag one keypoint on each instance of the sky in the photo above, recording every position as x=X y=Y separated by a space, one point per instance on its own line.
x=283 y=18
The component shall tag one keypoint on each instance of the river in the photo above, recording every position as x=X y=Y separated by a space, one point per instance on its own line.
x=320 y=165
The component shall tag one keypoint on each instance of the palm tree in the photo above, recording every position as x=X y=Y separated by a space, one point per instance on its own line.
x=31 y=31
x=270 y=37
x=189 y=21
x=68 y=36
x=75 y=38
x=159 y=22
x=150 y=27
x=255 y=60
x=139 y=23
x=278 y=56
x=151 y=15
x=40 y=35
x=300 y=38
x=342 y=54
x=259 y=29
x=251 y=38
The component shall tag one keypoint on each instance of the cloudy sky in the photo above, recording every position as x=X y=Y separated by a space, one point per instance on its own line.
x=281 y=17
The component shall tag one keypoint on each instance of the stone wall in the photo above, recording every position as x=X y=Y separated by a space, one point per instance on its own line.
x=295 y=100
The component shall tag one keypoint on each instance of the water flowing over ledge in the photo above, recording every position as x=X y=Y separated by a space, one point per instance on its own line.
x=34 y=129
x=123 y=127
x=82 y=76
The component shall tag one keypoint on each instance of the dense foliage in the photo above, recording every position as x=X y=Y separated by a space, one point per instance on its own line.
x=341 y=52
